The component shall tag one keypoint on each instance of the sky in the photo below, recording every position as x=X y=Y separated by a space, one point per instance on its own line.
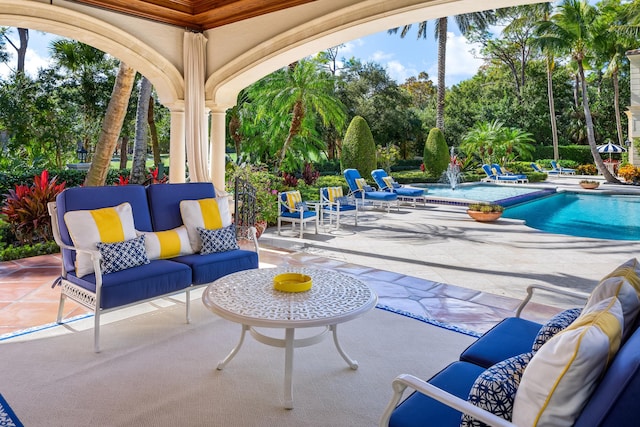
x=402 y=58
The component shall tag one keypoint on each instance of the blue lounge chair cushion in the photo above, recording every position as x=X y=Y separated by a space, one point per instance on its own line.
x=510 y=337
x=159 y=277
x=409 y=192
x=342 y=207
x=419 y=410
x=380 y=196
x=210 y=267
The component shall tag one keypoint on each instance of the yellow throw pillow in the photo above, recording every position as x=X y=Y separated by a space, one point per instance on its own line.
x=293 y=197
x=563 y=373
x=361 y=183
x=210 y=214
x=388 y=181
x=167 y=244
x=334 y=192
x=89 y=227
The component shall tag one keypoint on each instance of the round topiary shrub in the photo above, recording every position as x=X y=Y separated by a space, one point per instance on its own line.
x=436 y=153
x=358 y=148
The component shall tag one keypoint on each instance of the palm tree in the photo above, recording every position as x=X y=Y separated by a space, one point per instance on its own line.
x=292 y=95
x=111 y=126
x=465 y=22
x=138 y=167
x=571 y=30
x=611 y=44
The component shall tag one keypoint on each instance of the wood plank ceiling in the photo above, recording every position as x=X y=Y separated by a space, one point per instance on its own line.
x=198 y=15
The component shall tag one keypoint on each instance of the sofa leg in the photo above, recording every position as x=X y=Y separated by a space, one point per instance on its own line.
x=63 y=297
x=188 y=304
x=96 y=331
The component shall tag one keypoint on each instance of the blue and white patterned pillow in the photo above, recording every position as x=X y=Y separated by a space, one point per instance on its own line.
x=219 y=240
x=554 y=325
x=122 y=255
x=495 y=389
x=302 y=206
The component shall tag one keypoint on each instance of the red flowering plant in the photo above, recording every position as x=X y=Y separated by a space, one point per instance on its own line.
x=153 y=176
x=25 y=208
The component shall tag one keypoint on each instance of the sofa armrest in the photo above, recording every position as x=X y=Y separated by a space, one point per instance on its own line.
x=401 y=382
x=551 y=289
x=253 y=235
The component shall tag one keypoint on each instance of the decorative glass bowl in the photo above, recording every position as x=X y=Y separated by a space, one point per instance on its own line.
x=292 y=282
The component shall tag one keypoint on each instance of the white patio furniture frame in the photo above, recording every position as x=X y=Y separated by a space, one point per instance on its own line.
x=248 y=297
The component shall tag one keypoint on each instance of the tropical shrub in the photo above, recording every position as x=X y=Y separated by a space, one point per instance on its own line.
x=309 y=174
x=436 y=153
x=629 y=172
x=358 y=148
x=25 y=208
x=589 y=169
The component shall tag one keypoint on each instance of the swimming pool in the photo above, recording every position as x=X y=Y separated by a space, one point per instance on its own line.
x=505 y=195
x=600 y=216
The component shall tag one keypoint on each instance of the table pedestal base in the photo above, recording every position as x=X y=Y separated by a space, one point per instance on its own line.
x=289 y=343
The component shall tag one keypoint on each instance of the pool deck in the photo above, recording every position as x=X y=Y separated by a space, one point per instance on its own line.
x=432 y=258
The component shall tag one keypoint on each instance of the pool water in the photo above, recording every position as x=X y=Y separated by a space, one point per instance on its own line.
x=480 y=192
x=615 y=217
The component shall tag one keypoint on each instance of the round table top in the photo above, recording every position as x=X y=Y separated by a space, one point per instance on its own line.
x=248 y=297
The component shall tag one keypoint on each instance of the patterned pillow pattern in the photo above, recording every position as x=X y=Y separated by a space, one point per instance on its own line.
x=220 y=240
x=556 y=324
x=495 y=389
x=122 y=255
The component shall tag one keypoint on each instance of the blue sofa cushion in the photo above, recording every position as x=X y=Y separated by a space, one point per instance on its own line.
x=164 y=201
x=208 y=268
x=157 y=278
x=554 y=325
x=418 y=410
x=88 y=198
x=219 y=240
x=495 y=389
x=122 y=255
x=508 y=338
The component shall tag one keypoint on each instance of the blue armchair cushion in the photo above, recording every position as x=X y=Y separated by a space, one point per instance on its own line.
x=122 y=255
x=495 y=389
x=220 y=240
x=305 y=214
x=556 y=324
x=510 y=337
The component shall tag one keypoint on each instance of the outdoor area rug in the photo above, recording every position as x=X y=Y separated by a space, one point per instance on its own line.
x=8 y=418
x=155 y=370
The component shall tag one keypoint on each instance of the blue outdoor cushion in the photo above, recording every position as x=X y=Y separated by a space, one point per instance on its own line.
x=508 y=338
x=119 y=256
x=208 y=268
x=419 y=410
x=380 y=196
x=408 y=192
x=164 y=201
x=557 y=323
x=219 y=240
x=157 y=278
x=305 y=214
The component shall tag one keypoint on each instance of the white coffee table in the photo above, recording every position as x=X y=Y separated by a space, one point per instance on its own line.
x=248 y=298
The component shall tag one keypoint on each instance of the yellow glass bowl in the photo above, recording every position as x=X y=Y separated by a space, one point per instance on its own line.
x=292 y=282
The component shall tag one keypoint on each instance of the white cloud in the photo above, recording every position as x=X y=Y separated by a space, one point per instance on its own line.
x=461 y=64
x=380 y=56
x=34 y=61
x=399 y=72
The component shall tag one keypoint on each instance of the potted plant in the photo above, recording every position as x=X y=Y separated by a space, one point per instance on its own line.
x=589 y=184
x=485 y=212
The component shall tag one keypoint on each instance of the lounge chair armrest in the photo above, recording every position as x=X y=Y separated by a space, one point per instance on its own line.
x=551 y=289
x=401 y=382
x=253 y=235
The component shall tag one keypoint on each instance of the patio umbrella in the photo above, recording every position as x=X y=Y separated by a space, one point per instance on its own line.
x=610 y=148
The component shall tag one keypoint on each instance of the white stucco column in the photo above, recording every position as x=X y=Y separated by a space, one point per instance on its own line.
x=217 y=147
x=177 y=156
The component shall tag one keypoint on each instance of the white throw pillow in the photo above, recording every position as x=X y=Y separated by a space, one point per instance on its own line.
x=561 y=376
x=167 y=244
x=211 y=214
x=106 y=225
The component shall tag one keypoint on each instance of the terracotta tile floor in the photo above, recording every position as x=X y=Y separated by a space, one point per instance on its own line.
x=27 y=299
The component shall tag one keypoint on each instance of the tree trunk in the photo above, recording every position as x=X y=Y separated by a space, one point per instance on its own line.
x=111 y=126
x=124 y=155
x=139 y=164
x=442 y=56
x=616 y=104
x=23 y=33
x=590 y=130
x=155 y=145
x=294 y=128
x=552 y=109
